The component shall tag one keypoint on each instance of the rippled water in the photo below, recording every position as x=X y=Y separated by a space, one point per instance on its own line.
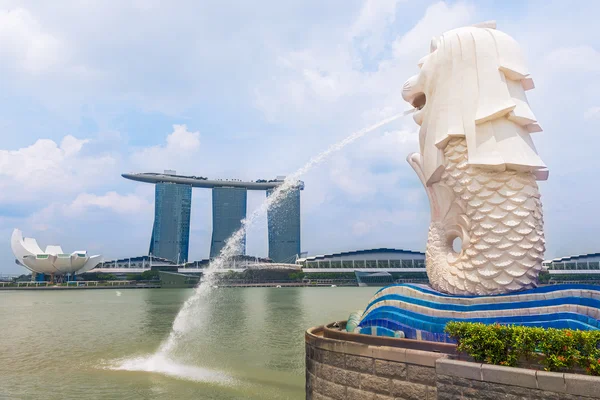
x=95 y=344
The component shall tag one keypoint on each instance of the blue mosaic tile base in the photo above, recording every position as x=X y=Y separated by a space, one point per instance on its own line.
x=419 y=312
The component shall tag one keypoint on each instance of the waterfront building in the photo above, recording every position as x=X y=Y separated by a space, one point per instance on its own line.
x=581 y=263
x=371 y=267
x=373 y=278
x=135 y=265
x=170 y=234
x=284 y=227
x=173 y=280
x=51 y=262
x=584 y=268
x=228 y=211
x=171 y=230
x=371 y=260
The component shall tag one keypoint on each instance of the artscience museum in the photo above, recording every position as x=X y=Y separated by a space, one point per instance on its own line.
x=53 y=261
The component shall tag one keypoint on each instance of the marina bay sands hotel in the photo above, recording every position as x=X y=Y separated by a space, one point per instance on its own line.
x=172 y=209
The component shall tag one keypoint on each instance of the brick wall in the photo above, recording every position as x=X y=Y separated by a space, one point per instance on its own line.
x=345 y=369
x=458 y=380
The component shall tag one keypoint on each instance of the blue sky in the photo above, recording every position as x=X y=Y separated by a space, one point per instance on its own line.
x=249 y=90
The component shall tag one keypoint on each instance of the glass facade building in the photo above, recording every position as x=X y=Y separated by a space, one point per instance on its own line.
x=283 y=222
x=384 y=258
x=171 y=230
x=229 y=209
x=361 y=263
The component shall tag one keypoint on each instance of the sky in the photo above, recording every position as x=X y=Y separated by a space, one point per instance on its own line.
x=251 y=90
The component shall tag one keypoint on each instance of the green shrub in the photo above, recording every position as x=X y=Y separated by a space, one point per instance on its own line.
x=296 y=276
x=507 y=344
x=106 y=277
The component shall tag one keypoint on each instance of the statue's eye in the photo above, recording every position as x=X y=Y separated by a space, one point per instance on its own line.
x=433 y=45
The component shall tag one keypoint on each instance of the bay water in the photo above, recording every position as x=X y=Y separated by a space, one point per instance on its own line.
x=246 y=343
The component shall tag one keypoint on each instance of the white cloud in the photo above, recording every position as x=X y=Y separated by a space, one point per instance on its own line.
x=71 y=145
x=370 y=26
x=182 y=140
x=110 y=224
x=23 y=41
x=180 y=151
x=370 y=221
x=392 y=146
x=307 y=80
x=47 y=168
x=374 y=15
x=321 y=70
x=321 y=79
x=84 y=206
x=439 y=18
x=580 y=58
x=113 y=201
x=374 y=167
x=591 y=113
x=352 y=180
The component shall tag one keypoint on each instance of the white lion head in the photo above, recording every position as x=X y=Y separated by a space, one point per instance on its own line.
x=472 y=84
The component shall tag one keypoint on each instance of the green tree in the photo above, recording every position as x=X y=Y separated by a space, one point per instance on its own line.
x=150 y=275
x=296 y=276
x=106 y=277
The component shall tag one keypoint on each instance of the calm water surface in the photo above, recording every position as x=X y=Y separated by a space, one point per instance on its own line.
x=245 y=343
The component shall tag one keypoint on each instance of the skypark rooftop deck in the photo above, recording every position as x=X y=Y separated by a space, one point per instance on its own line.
x=198 y=181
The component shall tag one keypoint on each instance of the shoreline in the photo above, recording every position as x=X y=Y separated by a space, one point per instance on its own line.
x=116 y=287
x=160 y=286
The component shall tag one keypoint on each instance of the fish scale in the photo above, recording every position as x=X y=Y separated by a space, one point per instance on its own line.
x=506 y=229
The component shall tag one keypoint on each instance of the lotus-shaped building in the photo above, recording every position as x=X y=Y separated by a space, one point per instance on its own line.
x=53 y=261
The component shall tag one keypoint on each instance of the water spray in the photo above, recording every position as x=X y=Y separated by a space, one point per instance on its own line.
x=233 y=244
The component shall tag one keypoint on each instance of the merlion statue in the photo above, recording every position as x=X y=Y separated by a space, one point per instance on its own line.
x=478 y=163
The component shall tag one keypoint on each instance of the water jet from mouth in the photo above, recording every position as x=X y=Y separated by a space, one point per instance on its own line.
x=233 y=245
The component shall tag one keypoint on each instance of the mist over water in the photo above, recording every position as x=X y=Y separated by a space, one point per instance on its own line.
x=160 y=364
x=189 y=314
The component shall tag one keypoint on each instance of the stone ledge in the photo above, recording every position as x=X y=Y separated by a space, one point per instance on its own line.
x=555 y=382
x=424 y=358
x=396 y=354
x=583 y=385
x=337 y=334
x=460 y=369
x=337 y=369
x=551 y=381
x=509 y=376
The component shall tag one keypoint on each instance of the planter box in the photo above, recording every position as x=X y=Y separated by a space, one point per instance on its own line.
x=342 y=365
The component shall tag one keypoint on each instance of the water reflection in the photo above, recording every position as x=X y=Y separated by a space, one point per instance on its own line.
x=252 y=335
x=225 y=318
x=160 y=306
x=283 y=312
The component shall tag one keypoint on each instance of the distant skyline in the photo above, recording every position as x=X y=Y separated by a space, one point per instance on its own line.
x=251 y=90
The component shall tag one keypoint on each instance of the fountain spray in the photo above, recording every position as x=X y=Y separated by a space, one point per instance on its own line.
x=233 y=245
